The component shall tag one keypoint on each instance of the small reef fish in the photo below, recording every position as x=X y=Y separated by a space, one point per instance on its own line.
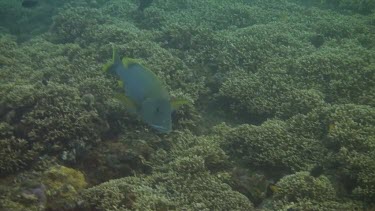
x=144 y=94
x=29 y=3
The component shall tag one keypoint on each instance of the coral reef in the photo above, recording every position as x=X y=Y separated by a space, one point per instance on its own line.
x=47 y=120
x=16 y=155
x=301 y=185
x=340 y=76
x=181 y=180
x=263 y=96
x=272 y=146
x=281 y=113
x=347 y=132
x=62 y=185
x=302 y=191
x=361 y=6
x=339 y=138
x=75 y=23
x=56 y=188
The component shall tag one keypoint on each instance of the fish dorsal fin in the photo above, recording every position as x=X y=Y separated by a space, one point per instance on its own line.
x=126 y=61
x=129 y=104
x=176 y=103
x=108 y=67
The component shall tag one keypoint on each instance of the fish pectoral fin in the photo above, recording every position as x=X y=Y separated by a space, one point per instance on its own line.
x=120 y=84
x=176 y=103
x=129 y=104
x=107 y=66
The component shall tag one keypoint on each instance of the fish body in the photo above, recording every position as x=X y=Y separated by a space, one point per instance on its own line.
x=143 y=93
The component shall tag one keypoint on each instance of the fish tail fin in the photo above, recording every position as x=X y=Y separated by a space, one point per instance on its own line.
x=111 y=65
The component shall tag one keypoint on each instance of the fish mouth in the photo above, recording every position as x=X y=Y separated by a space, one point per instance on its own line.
x=161 y=128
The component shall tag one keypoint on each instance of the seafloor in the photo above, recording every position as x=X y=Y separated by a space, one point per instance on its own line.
x=280 y=116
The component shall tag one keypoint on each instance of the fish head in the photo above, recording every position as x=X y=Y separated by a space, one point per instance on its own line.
x=157 y=113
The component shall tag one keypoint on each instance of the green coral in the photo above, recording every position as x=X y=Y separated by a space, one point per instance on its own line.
x=272 y=146
x=268 y=87
x=46 y=109
x=303 y=191
x=124 y=194
x=25 y=23
x=53 y=115
x=359 y=168
x=352 y=126
x=116 y=159
x=361 y=6
x=340 y=76
x=195 y=190
x=254 y=185
x=306 y=204
x=347 y=132
x=301 y=186
x=263 y=96
x=183 y=172
x=11 y=199
x=354 y=6
x=73 y=23
x=16 y=154
x=339 y=138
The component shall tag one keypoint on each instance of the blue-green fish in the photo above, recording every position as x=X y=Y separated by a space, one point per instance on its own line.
x=144 y=94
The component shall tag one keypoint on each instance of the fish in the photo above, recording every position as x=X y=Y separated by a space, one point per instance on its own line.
x=29 y=3
x=143 y=93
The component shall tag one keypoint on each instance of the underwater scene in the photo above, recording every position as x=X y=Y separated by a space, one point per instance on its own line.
x=187 y=105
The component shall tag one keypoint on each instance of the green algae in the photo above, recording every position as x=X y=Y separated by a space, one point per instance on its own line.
x=62 y=186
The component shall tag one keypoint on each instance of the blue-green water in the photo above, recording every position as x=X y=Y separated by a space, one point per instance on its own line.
x=275 y=105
